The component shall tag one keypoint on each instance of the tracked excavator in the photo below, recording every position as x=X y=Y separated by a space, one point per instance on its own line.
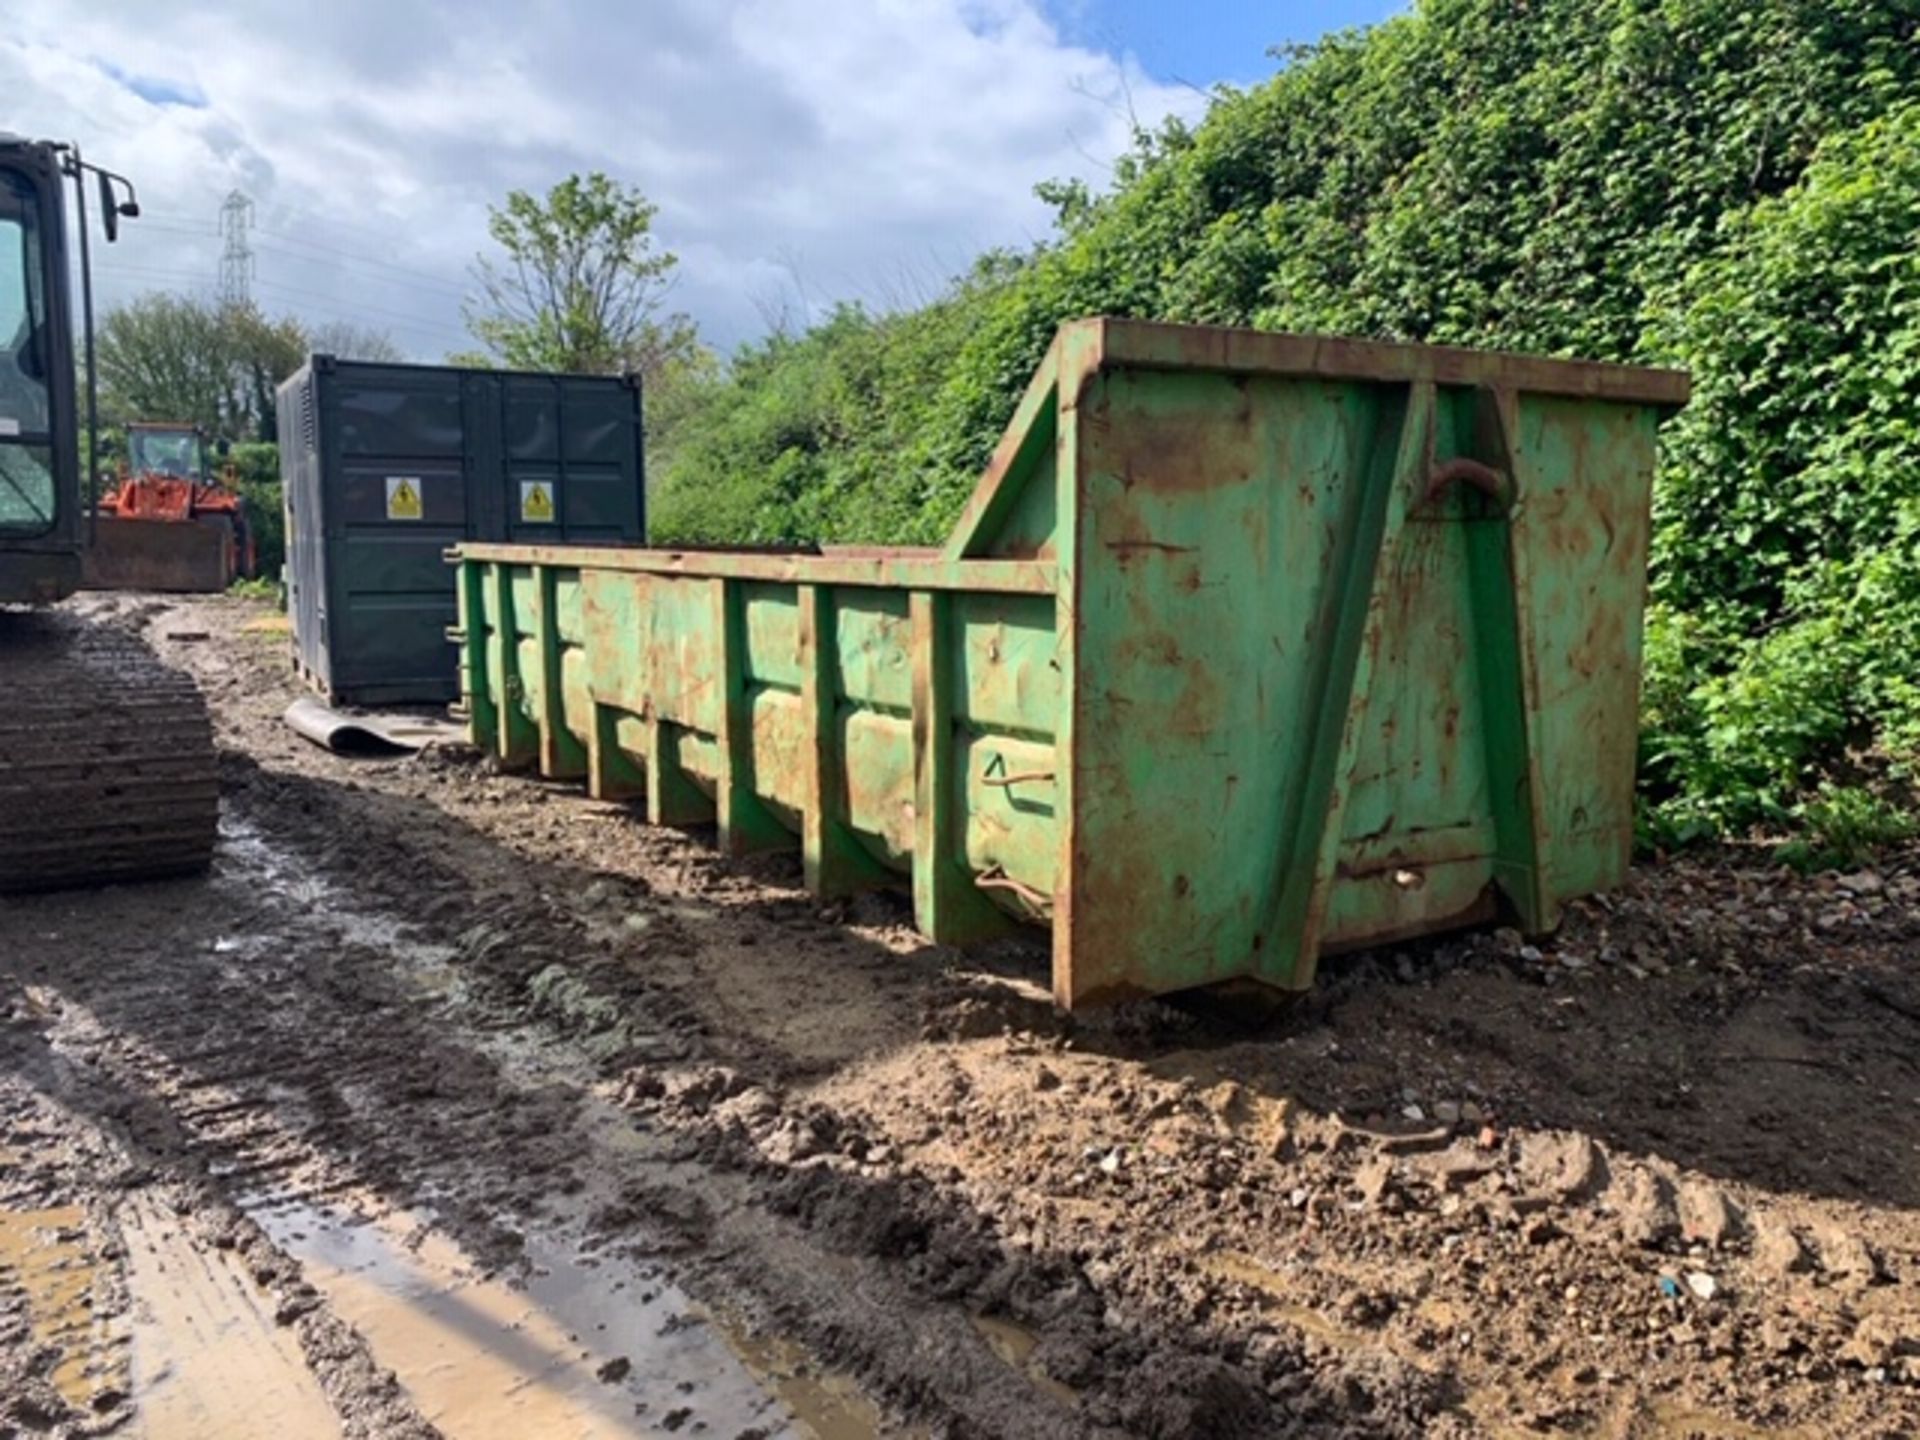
x=107 y=769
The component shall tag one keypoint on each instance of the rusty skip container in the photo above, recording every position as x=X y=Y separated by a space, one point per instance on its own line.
x=1247 y=647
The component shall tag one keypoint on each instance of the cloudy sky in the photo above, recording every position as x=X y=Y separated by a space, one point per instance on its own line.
x=800 y=153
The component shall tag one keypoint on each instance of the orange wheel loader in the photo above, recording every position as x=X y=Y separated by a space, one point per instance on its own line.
x=168 y=524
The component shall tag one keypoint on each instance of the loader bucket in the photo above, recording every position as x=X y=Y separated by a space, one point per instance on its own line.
x=1247 y=648
x=195 y=556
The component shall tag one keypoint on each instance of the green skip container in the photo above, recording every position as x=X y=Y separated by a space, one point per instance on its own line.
x=1247 y=648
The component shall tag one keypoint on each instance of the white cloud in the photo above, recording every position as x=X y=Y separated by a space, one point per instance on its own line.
x=850 y=150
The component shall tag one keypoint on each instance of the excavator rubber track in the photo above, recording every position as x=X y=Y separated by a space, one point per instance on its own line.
x=107 y=765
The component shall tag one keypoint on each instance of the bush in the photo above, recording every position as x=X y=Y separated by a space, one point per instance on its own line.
x=1788 y=525
x=257 y=475
x=1729 y=185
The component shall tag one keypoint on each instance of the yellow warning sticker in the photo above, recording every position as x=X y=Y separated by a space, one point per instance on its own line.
x=403 y=497
x=536 y=502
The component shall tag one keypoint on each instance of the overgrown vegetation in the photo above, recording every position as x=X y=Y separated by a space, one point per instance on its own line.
x=256 y=473
x=1728 y=185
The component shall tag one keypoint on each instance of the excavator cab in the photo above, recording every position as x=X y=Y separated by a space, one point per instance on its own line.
x=40 y=511
x=107 y=766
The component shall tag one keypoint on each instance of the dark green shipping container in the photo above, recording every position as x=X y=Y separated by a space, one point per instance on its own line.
x=384 y=466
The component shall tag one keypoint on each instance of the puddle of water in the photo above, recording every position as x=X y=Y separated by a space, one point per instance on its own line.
x=827 y=1406
x=1015 y=1344
x=209 y=1361
x=45 y=1253
x=485 y=1359
x=567 y=1357
x=261 y=864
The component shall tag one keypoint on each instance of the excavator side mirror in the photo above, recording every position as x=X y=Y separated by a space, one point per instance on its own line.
x=109 y=208
x=112 y=208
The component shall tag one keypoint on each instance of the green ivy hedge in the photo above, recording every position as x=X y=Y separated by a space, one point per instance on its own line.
x=1728 y=185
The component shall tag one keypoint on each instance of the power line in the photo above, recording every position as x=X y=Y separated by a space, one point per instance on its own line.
x=183 y=224
x=418 y=279
x=439 y=327
x=313 y=250
x=419 y=325
x=356 y=306
x=119 y=268
x=147 y=222
x=421 y=277
x=379 y=233
x=180 y=220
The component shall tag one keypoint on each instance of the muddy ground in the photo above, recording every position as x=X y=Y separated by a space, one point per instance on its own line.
x=456 y=1103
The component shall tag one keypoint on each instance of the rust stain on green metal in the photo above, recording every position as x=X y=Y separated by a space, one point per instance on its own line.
x=1246 y=649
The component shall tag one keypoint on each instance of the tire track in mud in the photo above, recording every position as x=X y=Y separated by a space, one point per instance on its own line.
x=873 y=1265
x=640 y=1194
x=341 y=1029
x=372 y=1109
x=880 y=1150
x=179 y=1288
x=199 y=1333
x=305 y=1058
x=903 y=1278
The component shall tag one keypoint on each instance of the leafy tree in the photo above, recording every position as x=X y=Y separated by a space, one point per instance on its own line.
x=261 y=353
x=175 y=357
x=256 y=475
x=166 y=357
x=581 y=286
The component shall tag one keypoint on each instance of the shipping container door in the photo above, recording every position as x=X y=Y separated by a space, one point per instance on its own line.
x=600 y=430
x=484 y=417
x=532 y=476
x=399 y=498
x=573 y=460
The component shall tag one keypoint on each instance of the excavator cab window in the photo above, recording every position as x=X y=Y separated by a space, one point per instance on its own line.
x=28 y=494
